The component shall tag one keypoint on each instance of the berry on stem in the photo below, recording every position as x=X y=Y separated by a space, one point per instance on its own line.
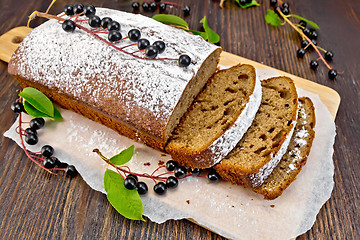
x=184 y=60
x=47 y=151
x=171 y=165
x=313 y=35
x=285 y=11
x=114 y=25
x=114 y=36
x=300 y=53
x=314 y=64
x=160 y=45
x=332 y=74
x=285 y=5
x=162 y=7
x=273 y=3
x=69 y=10
x=213 y=176
x=307 y=32
x=71 y=171
x=49 y=163
x=180 y=171
x=130 y=183
x=151 y=52
x=329 y=55
x=105 y=22
x=17 y=107
x=89 y=10
x=146 y=6
x=135 y=6
x=143 y=43
x=142 y=188
x=195 y=171
x=31 y=131
x=186 y=10
x=31 y=139
x=314 y=41
x=134 y=35
x=37 y=123
x=304 y=43
x=132 y=176
x=78 y=8
x=94 y=21
x=172 y=182
x=68 y=25
x=153 y=6
x=160 y=188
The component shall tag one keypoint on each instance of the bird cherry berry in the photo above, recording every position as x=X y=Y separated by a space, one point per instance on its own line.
x=114 y=25
x=304 y=43
x=71 y=171
x=180 y=171
x=94 y=21
x=89 y=10
x=78 y=8
x=314 y=64
x=146 y=6
x=160 y=45
x=153 y=6
x=172 y=182
x=114 y=36
x=186 y=10
x=130 y=183
x=329 y=55
x=49 y=163
x=162 y=7
x=151 y=52
x=134 y=35
x=69 y=10
x=171 y=165
x=273 y=3
x=300 y=53
x=68 y=25
x=47 y=151
x=31 y=131
x=31 y=139
x=184 y=60
x=143 y=43
x=213 y=176
x=37 y=123
x=17 y=107
x=332 y=74
x=142 y=188
x=195 y=171
x=160 y=188
x=105 y=22
x=135 y=6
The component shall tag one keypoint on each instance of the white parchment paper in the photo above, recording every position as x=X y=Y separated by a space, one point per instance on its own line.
x=229 y=210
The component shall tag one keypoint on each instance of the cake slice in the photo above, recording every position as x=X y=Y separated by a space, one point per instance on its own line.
x=295 y=157
x=217 y=119
x=266 y=141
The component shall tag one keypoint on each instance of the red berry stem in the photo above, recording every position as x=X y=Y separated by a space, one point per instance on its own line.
x=304 y=36
x=134 y=44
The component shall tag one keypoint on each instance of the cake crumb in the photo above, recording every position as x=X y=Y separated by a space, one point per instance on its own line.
x=188 y=201
x=232 y=206
x=163 y=155
x=272 y=205
x=160 y=163
x=147 y=164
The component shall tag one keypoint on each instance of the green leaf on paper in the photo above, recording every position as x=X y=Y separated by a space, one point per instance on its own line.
x=38 y=100
x=311 y=23
x=251 y=4
x=32 y=111
x=212 y=36
x=272 y=18
x=123 y=157
x=170 y=19
x=126 y=202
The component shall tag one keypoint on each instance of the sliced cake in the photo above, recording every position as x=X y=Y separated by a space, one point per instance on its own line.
x=217 y=119
x=295 y=157
x=266 y=141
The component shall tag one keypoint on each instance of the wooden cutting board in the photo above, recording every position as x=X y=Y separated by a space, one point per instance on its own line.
x=10 y=41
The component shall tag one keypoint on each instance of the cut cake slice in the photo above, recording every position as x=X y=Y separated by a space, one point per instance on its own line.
x=295 y=157
x=266 y=141
x=218 y=118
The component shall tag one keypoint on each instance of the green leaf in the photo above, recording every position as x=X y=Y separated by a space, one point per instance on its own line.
x=171 y=20
x=202 y=34
x=123 y=157
x=272 y=18
x=38 y=100
x=126 y=202
x=314 y=25
x=251 y=4
x=212 y=36
x=32 y=111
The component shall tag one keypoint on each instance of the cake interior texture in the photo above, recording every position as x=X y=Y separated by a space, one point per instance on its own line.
x=295 y=157
x=273 y=121
x=195 y=85
x=215 y=109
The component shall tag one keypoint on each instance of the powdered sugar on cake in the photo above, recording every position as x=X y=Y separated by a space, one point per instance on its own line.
x=85 y=68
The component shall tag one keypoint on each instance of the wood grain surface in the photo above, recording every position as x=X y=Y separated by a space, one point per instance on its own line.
x=35 y=205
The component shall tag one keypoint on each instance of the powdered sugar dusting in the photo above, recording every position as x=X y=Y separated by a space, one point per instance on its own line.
x=88 y=70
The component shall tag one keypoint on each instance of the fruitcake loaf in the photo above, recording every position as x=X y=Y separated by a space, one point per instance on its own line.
x=143 y=99
x=295 y=157
x=217 y=119
x=267 y=139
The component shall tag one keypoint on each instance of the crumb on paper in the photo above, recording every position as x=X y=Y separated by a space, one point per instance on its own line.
x=188 y=201
x=233 y=206
x=147 y=164
x=163 y=155
x=160 y=163
x=272 y=205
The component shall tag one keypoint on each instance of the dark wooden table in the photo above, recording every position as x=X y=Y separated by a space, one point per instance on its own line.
x=35 y=205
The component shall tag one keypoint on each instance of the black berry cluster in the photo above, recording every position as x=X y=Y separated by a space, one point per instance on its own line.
x=311 y=34
x=113 y=29
x=152 y=6
x=46 y=154
x=164 y=183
